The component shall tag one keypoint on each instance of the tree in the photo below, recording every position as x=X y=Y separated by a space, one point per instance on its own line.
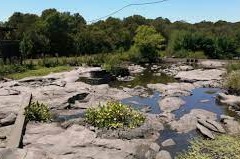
x=149 y=42
x=26 y=46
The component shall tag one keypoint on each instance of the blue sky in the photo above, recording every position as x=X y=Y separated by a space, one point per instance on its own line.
x=188 y=10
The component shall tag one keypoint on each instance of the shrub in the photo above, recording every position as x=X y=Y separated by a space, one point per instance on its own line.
x=232 y=83
x=114 y=115
x=223 y=147
x=38 y=112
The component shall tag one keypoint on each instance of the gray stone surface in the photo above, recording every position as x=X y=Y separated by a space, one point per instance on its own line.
x=80 y=141
x=168 y=142
x=163 y=155
x=189 y=122
x=9 y=120
x=205 y=131
x=169 y=104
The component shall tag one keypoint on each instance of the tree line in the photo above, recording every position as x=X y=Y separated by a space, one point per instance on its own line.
x=55 y=33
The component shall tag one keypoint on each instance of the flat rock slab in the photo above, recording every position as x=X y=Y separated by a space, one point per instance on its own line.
x=173 y=89
x=230 y=100
x=189 y=122
x=79 y=142
x=169 y=104
x=205 y=131
x=200 y=75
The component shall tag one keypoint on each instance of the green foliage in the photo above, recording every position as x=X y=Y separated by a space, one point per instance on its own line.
x=212 y=46
x=233 y=66
x=223 y=147
x=232 y=82
x=114 y=115
x=38 y=112
x=149 y=42
x=39 y=71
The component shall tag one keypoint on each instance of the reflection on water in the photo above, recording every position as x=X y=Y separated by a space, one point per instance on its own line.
x=147 y=77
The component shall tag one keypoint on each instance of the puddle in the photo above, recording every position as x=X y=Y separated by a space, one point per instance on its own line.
x=143 y=102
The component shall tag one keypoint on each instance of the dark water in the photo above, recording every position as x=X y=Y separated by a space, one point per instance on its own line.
x=148 y=76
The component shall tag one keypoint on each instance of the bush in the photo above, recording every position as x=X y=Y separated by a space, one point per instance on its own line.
x=232 y=82
x=223 y=147
x=114 y=115
x=38 y=112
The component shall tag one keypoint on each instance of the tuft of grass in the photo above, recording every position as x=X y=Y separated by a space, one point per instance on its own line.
x=223 y=147
x=233 y=66
x=38 y=72
x=38 y=112
x=232 y=82
x=114 y=115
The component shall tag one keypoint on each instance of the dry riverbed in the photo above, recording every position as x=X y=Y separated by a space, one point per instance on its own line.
x=169 y=109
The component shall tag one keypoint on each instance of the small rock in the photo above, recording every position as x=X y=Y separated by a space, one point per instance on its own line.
x=170 y=104
x=232 y=127
x=163 y=155
x=168 y=142
x=204 y=101
x=223 y=117
x=205 y=131
x=9 y=120
x=155 y=147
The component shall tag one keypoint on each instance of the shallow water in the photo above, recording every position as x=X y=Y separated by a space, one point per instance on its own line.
x=141 y=102
x=148 y=76
x=201 y=98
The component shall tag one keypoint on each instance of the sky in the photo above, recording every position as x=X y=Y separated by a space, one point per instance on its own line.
x=188 y=10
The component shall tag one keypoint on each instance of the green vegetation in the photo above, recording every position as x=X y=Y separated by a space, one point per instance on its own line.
x=149 y=42
x=233 y=66
x=223 y=147
x=38 y=112
x=232 y=80
x=114 y=115
x=59 y=34
x=38 y=72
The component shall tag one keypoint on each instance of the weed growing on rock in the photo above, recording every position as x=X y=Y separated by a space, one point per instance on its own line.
x=114 y=115
x=38 y=112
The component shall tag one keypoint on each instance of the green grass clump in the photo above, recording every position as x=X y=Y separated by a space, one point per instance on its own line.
x=232 y=82
x=223 y=147
x=38 y=112
x=233 y=66
x=114 y=115
x=38 y=72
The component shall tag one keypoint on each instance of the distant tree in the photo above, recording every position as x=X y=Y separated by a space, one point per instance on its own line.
x=149 y=42
x=26 y=46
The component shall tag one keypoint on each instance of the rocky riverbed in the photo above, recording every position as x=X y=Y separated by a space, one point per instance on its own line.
x=179 y=102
